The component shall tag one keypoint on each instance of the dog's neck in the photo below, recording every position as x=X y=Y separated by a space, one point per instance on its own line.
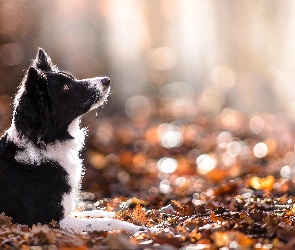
x=33 y=155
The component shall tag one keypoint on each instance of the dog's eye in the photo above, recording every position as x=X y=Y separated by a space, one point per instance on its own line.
x=66 y=87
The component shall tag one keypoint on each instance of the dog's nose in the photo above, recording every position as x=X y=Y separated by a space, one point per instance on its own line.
x=106 y=81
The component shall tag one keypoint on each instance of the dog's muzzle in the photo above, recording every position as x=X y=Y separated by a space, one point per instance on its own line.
x=101 y=84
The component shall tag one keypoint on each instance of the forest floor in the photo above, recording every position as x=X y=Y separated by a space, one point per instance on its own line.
x=215 y=182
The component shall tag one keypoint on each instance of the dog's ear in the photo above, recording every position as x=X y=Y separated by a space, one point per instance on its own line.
x=36 y=83
x=43 y=61
x=33 y=109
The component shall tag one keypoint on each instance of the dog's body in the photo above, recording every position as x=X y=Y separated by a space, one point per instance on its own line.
x=40 y=168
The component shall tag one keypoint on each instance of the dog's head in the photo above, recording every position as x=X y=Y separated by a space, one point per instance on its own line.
x=48 y=100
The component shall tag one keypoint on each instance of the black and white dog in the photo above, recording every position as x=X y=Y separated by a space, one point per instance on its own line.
x=40 y=167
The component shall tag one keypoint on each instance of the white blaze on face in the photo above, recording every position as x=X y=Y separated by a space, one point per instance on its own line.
x=96 y=84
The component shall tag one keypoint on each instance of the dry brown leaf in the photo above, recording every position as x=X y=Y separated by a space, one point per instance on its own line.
x=139 y=215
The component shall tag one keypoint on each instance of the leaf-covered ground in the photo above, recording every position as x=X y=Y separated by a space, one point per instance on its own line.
x=216 y=182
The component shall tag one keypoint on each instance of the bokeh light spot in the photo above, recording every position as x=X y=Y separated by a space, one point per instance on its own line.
x=167 y=165
x=165 y=186
x=256 y=124
x=170 y=135
x=171 y=139
x=286 y=171
x=98 y=161
x=224 y=137
x=104 y=133
x=138 y=108
x=260 y=150
x=162 y=58
x=206 y=163
x=234 y=148
x=262 y=183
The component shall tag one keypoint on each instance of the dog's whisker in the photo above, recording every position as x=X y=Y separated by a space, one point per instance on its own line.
x=88 y=100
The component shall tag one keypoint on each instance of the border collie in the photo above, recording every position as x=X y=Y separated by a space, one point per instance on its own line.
x=40 y=167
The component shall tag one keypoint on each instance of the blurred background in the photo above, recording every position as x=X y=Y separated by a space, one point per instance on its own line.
x=173 y=59
x=194 y=55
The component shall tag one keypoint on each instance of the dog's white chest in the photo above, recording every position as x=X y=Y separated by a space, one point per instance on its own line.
x=65 y=153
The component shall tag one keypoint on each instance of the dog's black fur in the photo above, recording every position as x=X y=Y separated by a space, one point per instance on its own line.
x=40 y=166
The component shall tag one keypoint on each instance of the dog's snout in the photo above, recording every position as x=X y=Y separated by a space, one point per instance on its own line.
x=106 y=81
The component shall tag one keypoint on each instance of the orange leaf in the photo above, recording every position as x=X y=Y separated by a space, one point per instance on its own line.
x=138 y=215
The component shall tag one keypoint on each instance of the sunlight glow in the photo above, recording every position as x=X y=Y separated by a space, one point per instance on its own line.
x=126 y=42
